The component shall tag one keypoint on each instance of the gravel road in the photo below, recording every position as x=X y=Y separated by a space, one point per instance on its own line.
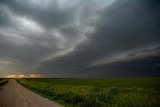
x=15 y=95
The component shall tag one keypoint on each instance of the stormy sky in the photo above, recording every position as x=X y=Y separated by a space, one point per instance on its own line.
x=80 y=38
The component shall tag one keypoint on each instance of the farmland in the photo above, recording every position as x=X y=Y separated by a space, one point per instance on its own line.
x=98 y=92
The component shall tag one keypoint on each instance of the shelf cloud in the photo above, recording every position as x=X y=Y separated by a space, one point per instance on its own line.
x=71 y=38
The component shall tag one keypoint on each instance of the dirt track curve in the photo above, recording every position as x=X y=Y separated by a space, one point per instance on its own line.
x=15 y=95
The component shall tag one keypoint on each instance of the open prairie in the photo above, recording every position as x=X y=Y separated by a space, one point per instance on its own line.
x=98 y=92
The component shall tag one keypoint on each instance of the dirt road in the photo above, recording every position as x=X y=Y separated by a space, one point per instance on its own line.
x=15 y=95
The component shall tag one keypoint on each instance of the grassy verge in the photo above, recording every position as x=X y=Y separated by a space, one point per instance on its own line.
x=3 y=81
x=98 y=92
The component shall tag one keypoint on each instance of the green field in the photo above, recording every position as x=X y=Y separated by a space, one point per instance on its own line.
x=120 y=92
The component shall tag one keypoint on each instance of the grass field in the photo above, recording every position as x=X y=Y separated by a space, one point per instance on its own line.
x=121 y=92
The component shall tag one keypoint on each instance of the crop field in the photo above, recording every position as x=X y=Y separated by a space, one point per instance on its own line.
x=121 y=92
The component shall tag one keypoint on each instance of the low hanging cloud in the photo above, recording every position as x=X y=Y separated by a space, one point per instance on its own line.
x=22 y=76
x=61 y=37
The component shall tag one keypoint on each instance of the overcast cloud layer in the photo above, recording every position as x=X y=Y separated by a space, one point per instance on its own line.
x=72 y=38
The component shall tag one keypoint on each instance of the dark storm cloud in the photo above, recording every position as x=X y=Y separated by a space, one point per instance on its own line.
x=61 y=37
x=135 y=57
x=33 y=31
x=124 y=27
x=47 y=14
x=145 y=63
